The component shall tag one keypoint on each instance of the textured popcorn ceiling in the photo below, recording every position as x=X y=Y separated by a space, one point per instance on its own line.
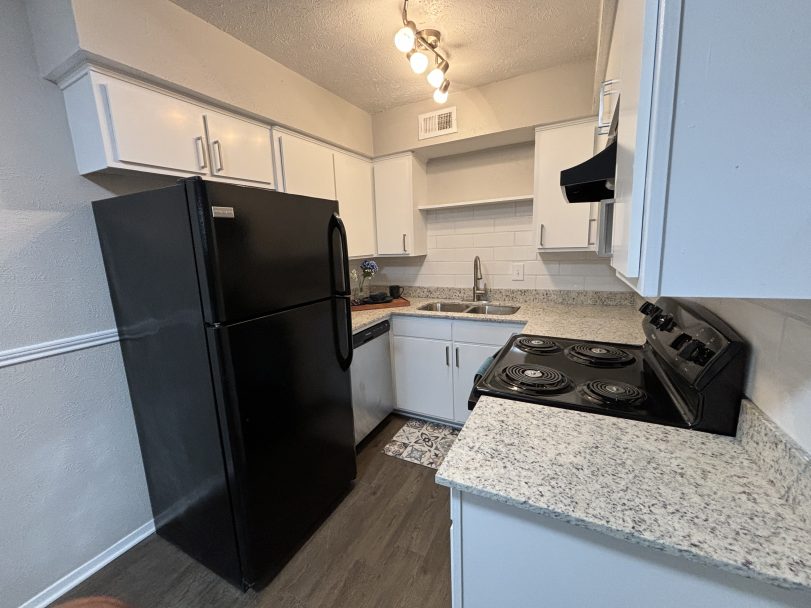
x=347 y=46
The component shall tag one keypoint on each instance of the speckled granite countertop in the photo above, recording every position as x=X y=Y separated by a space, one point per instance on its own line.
x=687 y=493
x=588 y=322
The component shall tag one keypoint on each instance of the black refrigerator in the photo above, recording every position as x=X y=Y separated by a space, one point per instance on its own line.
x=233 y=311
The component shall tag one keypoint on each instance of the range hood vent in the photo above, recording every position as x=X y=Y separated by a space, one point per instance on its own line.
x=593 y=180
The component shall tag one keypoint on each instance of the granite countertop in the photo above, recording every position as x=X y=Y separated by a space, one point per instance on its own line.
x=685 y=492
x=588 y=322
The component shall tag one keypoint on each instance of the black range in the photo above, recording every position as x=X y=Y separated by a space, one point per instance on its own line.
x=689 y=372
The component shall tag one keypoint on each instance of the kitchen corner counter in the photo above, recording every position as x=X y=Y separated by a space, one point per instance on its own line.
x=603 y=323
x=684 y=492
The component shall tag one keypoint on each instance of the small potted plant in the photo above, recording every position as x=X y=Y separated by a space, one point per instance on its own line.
x=368 y=269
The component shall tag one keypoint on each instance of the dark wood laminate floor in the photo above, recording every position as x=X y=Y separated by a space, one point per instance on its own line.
x=385 y=546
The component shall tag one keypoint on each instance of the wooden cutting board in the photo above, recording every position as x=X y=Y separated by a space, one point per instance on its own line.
x=397 y=303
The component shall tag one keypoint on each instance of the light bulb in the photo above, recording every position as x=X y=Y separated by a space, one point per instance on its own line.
x=405 y=37
x=437 y=75
x=441 y=94
x=418 y=61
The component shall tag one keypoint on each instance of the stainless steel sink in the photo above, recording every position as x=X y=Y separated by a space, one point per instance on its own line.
x=474 y=309
x=445 y=307
x=492 y=309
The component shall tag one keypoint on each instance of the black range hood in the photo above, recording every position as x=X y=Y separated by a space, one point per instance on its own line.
x=592 y=180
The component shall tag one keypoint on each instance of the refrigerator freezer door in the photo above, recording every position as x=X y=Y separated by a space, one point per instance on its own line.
x=287 y=401
x=261 y=251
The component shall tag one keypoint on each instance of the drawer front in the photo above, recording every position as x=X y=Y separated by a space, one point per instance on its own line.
x=421 y=327
x=482 y=332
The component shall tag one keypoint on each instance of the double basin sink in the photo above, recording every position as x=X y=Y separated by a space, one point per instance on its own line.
x=473 y=309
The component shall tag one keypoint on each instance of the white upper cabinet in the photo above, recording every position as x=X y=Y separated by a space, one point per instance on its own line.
x=354 y=189
x=152 y=129
x=399 y=189
x=559 y=225
x=303 y=166
x=239 y=149
x=117 y=123
x=712 y=162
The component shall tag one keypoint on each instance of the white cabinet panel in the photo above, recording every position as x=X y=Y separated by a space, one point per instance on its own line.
x=423 y=380
x=354 y=189
x=304 y=167
x=561 y=225
x=239 y=149
x=467 y=358
x=478 y=332
x=154 y=129
x=399 y=187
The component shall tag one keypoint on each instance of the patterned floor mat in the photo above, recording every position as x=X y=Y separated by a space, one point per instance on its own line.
x=422 y=442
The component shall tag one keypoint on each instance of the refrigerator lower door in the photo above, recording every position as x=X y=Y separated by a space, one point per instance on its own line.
x=286 y=402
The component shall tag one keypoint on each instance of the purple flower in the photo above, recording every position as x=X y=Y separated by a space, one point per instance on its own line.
x=369 y=268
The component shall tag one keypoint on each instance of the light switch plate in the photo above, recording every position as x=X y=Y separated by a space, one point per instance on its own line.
x=518 y=272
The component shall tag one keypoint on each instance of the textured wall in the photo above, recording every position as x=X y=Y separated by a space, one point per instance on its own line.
x=70 y=468
x=546 y=96
x=500 y=235
x=779 y=376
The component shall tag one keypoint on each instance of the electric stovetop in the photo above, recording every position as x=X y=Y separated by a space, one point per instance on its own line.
x=597 y=377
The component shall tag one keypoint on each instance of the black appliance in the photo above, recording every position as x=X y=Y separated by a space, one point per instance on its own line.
x=593 y=180
x=233 y=311
x=689 y=373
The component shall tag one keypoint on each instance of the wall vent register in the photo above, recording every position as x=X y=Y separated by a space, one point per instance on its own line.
x=439 y=122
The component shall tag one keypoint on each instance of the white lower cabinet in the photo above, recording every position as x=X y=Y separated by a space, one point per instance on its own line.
x=423 y=380
x=502 y=555
x=435 y=361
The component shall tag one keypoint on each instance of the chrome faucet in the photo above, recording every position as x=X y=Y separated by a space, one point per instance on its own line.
x=479 y=286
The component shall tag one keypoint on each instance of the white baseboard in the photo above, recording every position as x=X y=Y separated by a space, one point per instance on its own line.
x=69 y=581
x=23 y=354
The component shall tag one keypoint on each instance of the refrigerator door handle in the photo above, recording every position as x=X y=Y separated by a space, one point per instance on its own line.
x=340 y=280
x=345 y=360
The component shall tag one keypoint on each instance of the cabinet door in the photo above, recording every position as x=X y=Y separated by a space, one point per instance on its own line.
x=239 y=149
x=635 y=41
x=305 y=167
x=467 y=358
x=354 y=189
x=395 y=205
x=154 y=129
x=423 y=381
x=561 y=225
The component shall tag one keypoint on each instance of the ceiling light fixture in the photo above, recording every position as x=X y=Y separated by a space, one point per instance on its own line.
x=441 y=94
x=418 y=61
x=414 y=43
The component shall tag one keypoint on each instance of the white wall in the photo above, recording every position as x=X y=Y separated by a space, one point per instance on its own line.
x=172 y=46
x=546 y=96
x=779 y=376
x=70 y=467
x=500 y=235
x=492 y=173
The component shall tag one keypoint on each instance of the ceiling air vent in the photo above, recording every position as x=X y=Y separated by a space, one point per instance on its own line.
x=440 y=122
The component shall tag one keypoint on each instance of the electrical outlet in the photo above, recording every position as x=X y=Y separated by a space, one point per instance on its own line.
x=518 y=272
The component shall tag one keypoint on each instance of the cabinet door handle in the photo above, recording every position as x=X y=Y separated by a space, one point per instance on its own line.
x=448 y=356
x=540 y=236
x=457 y=356
x=281 y=162
x=588 y=235
x=200 y=149
x=405 y=249
x=217 y=149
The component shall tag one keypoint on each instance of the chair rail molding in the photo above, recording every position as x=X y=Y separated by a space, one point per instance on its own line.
x=43 y=350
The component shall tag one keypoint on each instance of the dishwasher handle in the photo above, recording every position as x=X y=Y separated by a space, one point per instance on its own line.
x=370 y=333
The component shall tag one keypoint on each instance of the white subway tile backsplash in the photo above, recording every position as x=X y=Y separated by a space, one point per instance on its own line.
x=501 y=235
x=454 y=241
x=494 y=239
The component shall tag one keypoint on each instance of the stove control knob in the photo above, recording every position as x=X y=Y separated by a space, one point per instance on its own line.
x=680 y=340
x=664 y=322
x=647 y=308
x=697 y=352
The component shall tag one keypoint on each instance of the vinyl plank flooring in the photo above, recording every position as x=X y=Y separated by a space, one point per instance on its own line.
x=386 y=545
